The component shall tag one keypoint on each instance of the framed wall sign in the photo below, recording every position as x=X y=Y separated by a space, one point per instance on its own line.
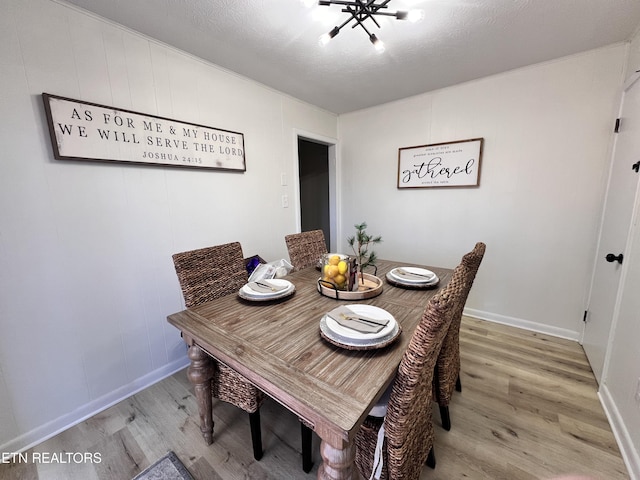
x=449 y=164
x=89 y=131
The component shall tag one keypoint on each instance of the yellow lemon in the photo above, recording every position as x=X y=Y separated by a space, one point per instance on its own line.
x=334 y=260
x=342 y=267
x=326 y=269
x=340 y=279
x=332 y=271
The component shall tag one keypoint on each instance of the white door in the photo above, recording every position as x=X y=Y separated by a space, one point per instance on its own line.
x=614 y=232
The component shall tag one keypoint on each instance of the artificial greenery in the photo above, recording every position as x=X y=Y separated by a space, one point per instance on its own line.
x=360 y=244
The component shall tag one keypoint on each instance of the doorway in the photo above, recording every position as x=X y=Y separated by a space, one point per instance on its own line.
x=316 y=187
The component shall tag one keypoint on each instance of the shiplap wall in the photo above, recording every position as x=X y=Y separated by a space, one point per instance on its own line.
x=86 y=277
x=548 y=141
x=547 y=133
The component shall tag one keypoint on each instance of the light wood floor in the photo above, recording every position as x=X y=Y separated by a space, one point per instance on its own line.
x=528 y=410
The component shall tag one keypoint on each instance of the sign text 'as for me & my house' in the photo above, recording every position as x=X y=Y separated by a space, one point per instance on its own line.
x=88 y=131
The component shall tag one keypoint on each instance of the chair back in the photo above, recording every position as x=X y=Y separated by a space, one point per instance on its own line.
x=209 y=273
x=473 y=259
x=408 y=424
x=306 y=248
x=448 y=364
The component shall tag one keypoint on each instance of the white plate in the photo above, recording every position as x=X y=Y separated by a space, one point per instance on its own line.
x=361 y=343
x=279 y=282
x=420 y=271
x=370 y=311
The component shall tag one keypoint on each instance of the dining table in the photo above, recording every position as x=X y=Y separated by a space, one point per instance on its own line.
x=278 y=346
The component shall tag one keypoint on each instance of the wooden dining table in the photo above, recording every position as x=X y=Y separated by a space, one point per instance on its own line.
x=278 y=346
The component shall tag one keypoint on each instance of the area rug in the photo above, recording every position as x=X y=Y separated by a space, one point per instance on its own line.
x=168 y=467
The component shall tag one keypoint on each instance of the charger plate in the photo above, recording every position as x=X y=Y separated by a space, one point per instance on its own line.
x=327 y=334
x=247 y=293
x=391 y=280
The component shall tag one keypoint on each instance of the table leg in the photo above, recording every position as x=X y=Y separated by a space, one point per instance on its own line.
x=338 y=463
x=200 y=373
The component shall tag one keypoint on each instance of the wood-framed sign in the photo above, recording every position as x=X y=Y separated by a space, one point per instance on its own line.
x=448 y=164
x=90 y=131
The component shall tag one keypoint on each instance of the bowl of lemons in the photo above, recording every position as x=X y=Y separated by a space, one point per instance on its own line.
x=336 y=270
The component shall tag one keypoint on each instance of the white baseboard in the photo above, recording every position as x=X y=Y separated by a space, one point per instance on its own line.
x=52 y=428
x=525 y=324
x=623 y=437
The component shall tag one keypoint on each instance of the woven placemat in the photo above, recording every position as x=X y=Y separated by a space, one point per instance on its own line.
x=377 y=346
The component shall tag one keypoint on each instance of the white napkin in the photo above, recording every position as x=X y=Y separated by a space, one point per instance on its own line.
x=402 y=273
x=364 y=325
x=265 y=286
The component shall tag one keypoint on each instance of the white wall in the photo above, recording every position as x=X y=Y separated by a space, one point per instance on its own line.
x=547 y=135
x=86 y=277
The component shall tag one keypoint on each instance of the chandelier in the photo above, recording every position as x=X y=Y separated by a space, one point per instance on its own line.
x=361 y=11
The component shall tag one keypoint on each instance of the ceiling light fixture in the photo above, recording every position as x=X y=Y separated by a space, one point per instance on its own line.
x=361 y=10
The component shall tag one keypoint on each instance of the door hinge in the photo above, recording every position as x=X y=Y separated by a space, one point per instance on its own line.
x=616 y=129
x=584 y=317
x=636 y=166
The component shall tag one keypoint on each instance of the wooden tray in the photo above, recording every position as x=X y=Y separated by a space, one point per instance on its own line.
x=372 y=288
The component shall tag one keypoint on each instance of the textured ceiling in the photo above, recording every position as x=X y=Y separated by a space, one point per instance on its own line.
x=275 y=42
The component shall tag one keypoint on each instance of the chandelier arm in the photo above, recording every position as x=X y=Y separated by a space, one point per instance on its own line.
x=358 y=20
x=342 y=2
x=381 y=5
x=361 y=15
x=386 y=14
x=344 y=23
x=354 y=16
x=373 y=20
x=363 y=27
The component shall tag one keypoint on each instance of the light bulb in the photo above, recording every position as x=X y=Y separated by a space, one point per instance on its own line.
x=376 y=43
x=415 y=15
x=324 y=39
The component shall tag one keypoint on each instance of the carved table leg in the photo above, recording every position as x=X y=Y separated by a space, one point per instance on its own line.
x=200 y=373
x=338 y=464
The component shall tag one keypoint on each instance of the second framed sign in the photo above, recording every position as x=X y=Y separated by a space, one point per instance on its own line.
x=449 y=164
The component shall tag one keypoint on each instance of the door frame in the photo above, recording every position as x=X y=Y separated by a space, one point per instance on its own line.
x=334 y=183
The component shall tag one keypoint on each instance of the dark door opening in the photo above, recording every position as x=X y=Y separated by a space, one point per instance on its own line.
x=313 y=170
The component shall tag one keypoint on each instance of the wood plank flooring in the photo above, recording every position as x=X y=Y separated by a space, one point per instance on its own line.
x=528 y=411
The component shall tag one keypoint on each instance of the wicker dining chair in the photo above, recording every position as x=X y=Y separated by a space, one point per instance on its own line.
x=407 y=429
x=209 y=273
x=447 y=373
x=206 y=274
x=306 y=248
